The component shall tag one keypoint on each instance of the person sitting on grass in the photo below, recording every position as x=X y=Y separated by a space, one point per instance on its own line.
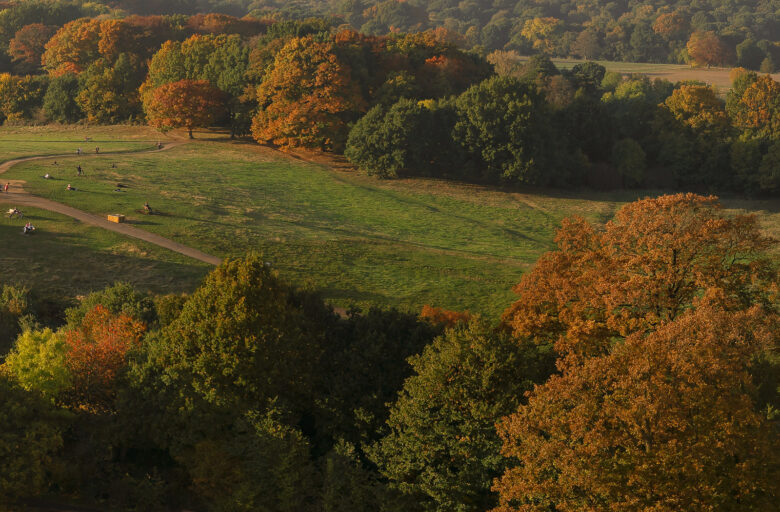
x=28 y=228
x=47 y=176
x=69 y=187
x=147 y=208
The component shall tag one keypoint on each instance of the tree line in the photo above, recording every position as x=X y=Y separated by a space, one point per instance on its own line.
x=637 y=369
x=403 y=104
x=712 y=32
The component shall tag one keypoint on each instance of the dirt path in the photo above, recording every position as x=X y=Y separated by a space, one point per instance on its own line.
x=17 y=196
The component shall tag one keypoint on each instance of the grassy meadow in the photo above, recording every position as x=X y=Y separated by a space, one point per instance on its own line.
x=719 y=77
x=18 y=142
x=360 y=240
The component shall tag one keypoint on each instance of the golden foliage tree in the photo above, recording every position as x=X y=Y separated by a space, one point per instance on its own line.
x=645 y=268
x=665 y=422
x=758 y=111
x=73 y=47
x=699 y=107
x=307 y=98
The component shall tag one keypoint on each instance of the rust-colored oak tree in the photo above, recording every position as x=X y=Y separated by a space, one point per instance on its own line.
x=186 y=104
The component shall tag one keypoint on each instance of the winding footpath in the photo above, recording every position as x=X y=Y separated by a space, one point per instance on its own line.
x=17 y=196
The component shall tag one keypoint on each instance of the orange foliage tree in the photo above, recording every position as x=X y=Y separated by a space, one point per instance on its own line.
x=307 y=97
x=97 y=352
x=666 y=421
x=642 y=270
x=73 y=47
x=184 y=104
x=707 y=49
x=445 y=317
x=29 y=43
x=758 y=111
x=671 y=25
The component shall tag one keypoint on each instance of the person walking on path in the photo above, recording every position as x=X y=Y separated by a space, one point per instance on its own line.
x=78 y=151
x=5 y=188
x=80 y=170
x=97 y=150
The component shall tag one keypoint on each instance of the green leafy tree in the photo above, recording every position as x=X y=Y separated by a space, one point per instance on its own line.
x=240 y=340
x=29 y=438
x=119 y=298
x=502 y=125
x=443 y=449
x=408 y=138
x=630 y=161
x=59 y=103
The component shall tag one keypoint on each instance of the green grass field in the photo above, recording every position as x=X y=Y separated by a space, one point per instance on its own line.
x=18 y=142
x=361 y=240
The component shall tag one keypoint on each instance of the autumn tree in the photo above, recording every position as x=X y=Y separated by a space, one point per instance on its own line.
x=186 y=104
x=698 y=107
x=667 y=420
x=643 y=270
x=445 y=317
x=28 y=45
x=20 y=96
x=542 y=33
x=672 y=25
x=73 y=48
x=758 y=110
x=97 y=354
x=442 y=448
x=707 y=49
x=307 y=97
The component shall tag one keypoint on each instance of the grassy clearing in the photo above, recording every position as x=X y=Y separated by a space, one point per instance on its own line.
x=360 y=240
x=719 y=77
x=65 y=257
x=22 y=141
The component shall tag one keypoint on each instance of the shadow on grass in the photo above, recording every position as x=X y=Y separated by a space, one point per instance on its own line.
x=69 y=264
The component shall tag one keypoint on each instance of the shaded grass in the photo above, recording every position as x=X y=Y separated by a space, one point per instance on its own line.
x=361 y=240
x=65 y=258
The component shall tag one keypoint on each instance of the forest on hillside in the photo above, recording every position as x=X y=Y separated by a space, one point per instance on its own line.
x=709 y=32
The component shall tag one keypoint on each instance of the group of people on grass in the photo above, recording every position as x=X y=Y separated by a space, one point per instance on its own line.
x=29 y=228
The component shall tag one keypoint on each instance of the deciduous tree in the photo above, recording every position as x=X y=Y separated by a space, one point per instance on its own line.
x=666 y=420
x=28 y=45
x=707 y=49
x=307 y=98
x=643 y=270
x=442 y=449
x=97 y=353
x=186 y=104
